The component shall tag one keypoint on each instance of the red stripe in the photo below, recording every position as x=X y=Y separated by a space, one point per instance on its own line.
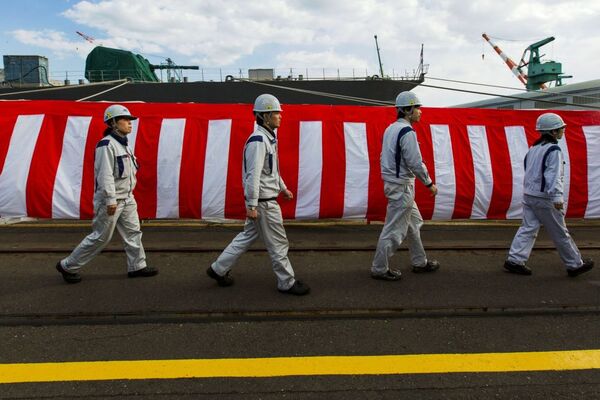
x=463 y=171
x=235 y=207
x=501 y=172
x=531 y=135
x=146 y=152
x=423 y=196
x=88 y=184
x=7 y=125
x=288 y=142
x=191 y=176
x=44 y=164
x=578 y=193
x=333 y=177
x=375 y=129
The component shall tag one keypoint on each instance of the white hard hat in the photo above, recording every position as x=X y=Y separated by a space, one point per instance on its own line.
x=407 y=99
x=549 y=122
x=117 y=110
x=266 y=103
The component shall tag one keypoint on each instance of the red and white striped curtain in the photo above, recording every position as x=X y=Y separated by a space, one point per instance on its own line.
x=190 y=158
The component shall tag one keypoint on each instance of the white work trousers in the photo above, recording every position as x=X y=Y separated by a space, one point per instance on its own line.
x=538 y=211
x=269 y=226
x=402 y=220
x=127 y=222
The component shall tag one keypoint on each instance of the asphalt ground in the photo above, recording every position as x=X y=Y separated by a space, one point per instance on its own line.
x=470 y=306
x=333 y=259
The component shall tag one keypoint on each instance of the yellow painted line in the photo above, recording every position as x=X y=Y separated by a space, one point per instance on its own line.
x=301 y=366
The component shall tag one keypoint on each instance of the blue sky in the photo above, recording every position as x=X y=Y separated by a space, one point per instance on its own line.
x=309 y=35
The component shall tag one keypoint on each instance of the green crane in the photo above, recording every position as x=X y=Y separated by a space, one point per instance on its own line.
x=538 y=73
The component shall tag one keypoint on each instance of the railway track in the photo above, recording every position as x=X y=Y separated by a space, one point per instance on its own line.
x=192 y=316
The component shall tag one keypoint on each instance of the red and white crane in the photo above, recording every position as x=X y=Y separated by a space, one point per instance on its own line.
x=510 y=63
x=86 y=37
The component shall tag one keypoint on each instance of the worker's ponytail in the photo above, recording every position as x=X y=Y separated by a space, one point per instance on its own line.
x=546 y=137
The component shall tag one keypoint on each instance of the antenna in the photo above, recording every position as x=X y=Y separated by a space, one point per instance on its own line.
x=379 y=57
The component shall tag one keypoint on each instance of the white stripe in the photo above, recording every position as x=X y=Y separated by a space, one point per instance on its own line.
x=567 y=177
x=215 y=169
x=67 y=185
x=517 y=148
x=170 y=145
x=592 y=139
x=445 y=178
x=356 y=189
x=310 y=165
x=482 y=164
x=132 y=137
x=13 y=179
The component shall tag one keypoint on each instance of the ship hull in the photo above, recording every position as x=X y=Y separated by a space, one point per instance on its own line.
x=335 y=92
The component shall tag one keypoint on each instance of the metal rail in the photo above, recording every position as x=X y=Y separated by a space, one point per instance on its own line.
x=192 y=316
x=298 y=249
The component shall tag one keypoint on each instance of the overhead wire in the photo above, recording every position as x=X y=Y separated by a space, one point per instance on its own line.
x=514 y=40
x=508 y=87
x=383 y=103
x=104 y=91
x=322 y=94
x=562 y=103
x=476 y=84
x=63 y=87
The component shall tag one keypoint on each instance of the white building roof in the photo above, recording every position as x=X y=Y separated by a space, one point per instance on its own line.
x=573 y=97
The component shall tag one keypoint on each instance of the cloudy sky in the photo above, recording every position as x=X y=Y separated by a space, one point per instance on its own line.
x=312 y=35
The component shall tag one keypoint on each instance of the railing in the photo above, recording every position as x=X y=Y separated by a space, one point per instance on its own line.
x=225 y=74
x=111 y=75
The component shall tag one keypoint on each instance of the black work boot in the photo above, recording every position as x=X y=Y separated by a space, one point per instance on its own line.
x=431 y=266
x=587 y=265
x=389 y=275
x=225 y=280
x=516 y=268
x=145 y=272
x=69 y=277
x=298 y=288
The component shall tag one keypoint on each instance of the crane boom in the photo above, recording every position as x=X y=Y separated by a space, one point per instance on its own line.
x=86 y=37
x=510 y=63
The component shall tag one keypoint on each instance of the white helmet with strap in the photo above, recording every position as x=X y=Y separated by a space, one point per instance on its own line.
x=266 y=103
x=117 y=111
x=407 y=99
x=549 y=122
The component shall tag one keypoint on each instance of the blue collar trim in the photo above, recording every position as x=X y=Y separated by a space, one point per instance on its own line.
x=121 y=139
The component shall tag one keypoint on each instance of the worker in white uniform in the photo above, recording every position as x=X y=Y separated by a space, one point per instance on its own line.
x=262 y=185
x=115 y=167
x=401 y=161
x=543 y=202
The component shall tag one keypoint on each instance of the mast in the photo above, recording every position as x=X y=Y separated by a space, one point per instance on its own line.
x=379 y=57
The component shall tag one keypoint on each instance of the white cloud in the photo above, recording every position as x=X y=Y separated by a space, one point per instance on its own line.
x=220 y=33
x=325 y=59
x=52 y=40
